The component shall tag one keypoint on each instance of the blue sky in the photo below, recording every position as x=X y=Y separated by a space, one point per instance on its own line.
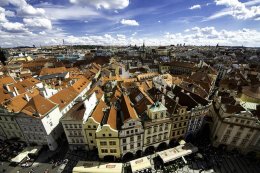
x=124 y=22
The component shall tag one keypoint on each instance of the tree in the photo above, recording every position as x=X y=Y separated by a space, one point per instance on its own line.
x=2 y=56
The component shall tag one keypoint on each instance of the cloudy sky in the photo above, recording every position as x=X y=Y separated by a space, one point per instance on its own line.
x=124 y=22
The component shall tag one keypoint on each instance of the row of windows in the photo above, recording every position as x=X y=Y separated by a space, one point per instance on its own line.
x=106 y=151
x=131 y=131
x=181 y=118
x=242 y=121
x=77 y=140
x=104 y=143
x=92 y=127
x=9 y=126
x=157 y=128
x=32 y=137
x=6 y=119
x=131 y=146
x=156 y=138
x=179 y=132
x=75 y=133
x=13 y=134
x=234 y=140
x=132 y=139
x=73 y=126
x=179 y=125
x=231 y=126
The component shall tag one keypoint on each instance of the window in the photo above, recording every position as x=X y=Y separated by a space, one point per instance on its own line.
x=89 y=127
x=136 y=130
x=182 y=132
x=72 y=141
x=178 y=132
x=102 y=143
x=138 y=144
x=132 y=131
x=94 y=126
x=124 y=140
x=175 y=125
x=242 y=121
x=109 y=134
x=103 y=135
x=75 y=126
x=91 y=142
x=104 y=151
x=225 y=138
x=112 y=150
x=127 y=132
x=112 y=142
x=131 y=146
x=90 y=134
x=66 y=126
x=185 y=123
x=132 y=139
x=139 y=137
x=173 y=133
x=124 y=147
x=81 y=141
x=148 y=140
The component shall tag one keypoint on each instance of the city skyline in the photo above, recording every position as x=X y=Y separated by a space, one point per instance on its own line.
x=124 y=22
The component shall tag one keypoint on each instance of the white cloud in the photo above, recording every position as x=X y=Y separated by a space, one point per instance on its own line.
x=106 y=4
x=2 y=15
x=195 y=7
x=191 y=36
x=23 y=8
x=69 y=13
x=129 y=22
x=14 y=27
x=237 y=9
x=38 y=23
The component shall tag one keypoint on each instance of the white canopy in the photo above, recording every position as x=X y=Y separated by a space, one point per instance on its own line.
x=24 y=154
x=140 y=164
x=97 y=167
x=177 y=152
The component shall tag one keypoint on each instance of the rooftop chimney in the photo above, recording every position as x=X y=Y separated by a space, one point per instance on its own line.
x=163 y=100
x=27 y=98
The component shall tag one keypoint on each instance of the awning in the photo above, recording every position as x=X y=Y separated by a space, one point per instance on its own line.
x=24 y=154
x=177 y=152
x=97 y=167
x=140 y=164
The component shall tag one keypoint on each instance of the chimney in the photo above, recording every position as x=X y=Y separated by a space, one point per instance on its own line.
x=16 y=91
x=7 y=88
x=177 y=99
x=27 y=98
x=163 y=100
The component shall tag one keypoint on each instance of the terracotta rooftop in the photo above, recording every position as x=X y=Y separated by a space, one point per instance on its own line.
x=38 y=106
x=140 y=100
x=64 y=97
x=49 y=71
x=112 y=118
x=98 y=113
x=99 y=92
x=80 y=84
x=16 y=104
x=127 y=109
x=6 y=80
